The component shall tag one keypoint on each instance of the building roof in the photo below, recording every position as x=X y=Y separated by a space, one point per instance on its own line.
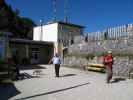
x=25 y=41
x=75 y=25
x=64 y=23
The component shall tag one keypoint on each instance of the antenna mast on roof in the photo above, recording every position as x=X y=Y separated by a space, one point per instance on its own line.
x=66 y=11
x=55 y=10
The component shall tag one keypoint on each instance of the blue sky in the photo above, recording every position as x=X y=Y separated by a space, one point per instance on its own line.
x=95 y=15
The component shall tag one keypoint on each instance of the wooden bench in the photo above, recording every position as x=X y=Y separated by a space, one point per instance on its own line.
x=6 y=71
x=131 y=75
x=95 y=67
x=6 y=81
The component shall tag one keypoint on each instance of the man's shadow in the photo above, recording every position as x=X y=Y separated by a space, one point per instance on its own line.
x=116 y=80
x=67 y=75
x=23 y=76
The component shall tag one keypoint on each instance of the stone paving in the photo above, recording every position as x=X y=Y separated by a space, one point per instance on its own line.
x=73 y=84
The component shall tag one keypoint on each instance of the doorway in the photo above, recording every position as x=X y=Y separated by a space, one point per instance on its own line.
x=35 y=52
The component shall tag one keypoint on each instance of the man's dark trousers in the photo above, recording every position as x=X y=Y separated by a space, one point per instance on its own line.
x=57 y=67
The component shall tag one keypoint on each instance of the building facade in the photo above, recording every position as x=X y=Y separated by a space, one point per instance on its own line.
x=26 y=51
x=31 y=52
x=60 y=33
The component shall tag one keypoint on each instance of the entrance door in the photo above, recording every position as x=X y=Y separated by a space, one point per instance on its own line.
x=35 y=55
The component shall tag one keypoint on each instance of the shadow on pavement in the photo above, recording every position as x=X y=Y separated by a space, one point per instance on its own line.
x=7 y=91
x=67 y=75
x=24 y=76
x=29 y=67
x=51 y=92
x=115 y=80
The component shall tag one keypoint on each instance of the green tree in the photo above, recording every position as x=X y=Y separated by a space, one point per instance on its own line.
x=11 y=21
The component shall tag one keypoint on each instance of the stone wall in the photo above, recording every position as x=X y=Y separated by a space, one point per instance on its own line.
x=122 y=45
x=122 y=65
x=82 y=53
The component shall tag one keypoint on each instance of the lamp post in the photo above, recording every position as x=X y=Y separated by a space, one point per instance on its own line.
x=41 y=32
x=69 y=38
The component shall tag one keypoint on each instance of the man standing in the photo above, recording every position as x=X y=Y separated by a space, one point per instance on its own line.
x=56 y=61
x=108 y=62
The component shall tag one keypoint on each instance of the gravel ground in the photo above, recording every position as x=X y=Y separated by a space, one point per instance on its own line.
x=73 y=84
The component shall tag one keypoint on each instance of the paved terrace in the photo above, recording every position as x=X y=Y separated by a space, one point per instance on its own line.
x=74 y=84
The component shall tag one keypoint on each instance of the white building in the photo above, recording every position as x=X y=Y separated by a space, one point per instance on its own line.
x=60 y=33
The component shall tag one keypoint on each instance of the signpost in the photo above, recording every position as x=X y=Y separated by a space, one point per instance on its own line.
x=2 y=47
